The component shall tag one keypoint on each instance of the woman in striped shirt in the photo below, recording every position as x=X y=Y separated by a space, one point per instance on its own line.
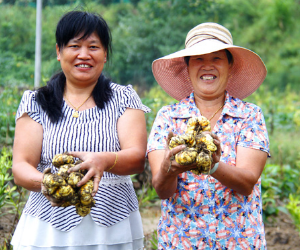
x=98 y=121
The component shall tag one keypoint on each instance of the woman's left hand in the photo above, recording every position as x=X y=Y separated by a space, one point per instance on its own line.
x=94 y=163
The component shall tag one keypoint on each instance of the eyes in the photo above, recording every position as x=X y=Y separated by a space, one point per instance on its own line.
x=216 y=58
x=75 y=46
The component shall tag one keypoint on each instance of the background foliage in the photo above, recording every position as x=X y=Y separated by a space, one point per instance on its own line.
x=147 y=29
x=144 y=30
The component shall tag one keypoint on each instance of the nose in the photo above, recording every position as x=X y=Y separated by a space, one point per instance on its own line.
x=84 y=53
x=207 y=65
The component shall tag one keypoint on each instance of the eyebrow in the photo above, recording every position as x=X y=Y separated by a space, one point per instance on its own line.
x=78 y=40
x=218 y=52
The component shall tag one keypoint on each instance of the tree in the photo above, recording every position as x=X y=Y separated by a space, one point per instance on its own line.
x=155 y=28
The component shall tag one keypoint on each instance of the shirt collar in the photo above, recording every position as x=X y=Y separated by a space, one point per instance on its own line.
x=187 y=108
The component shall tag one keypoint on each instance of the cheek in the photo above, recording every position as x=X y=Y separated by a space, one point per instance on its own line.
x=192 y=71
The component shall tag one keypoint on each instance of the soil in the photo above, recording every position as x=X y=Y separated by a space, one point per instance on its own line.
x=281 y=234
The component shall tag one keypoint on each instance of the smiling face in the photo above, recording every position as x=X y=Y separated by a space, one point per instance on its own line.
x=82 y=60
x=209 y=74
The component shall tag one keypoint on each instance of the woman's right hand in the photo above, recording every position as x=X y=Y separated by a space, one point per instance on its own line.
x=169 y=165
x=54 y=202
x=165 y=169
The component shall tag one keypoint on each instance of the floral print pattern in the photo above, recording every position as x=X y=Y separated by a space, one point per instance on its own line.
x=202 y=213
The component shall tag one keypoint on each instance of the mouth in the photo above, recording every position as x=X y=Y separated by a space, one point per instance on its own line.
x=83 y=65
x=208 y=77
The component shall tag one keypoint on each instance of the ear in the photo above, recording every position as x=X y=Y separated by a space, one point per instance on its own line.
x=57 y=53
x=230 y=68
x=105 y=55
x=230 y=71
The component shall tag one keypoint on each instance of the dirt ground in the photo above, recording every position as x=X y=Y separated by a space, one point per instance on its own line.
x=280 y=234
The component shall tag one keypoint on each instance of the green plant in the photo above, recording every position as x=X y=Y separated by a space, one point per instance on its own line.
x=16 y=197
x=9 y=98
x=5 y=175
x=11 y=196
x=293 y=207
x=146 y=194
x=151 y=241
x=155 y=99
x=280 y=109
x=15 y=204
x=269 y=196
x=277 y=183
x=154 y=240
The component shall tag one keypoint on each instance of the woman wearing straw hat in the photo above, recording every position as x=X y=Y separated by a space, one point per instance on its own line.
x=222 y=209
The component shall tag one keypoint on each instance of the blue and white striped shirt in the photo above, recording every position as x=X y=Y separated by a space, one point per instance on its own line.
x=95 y=130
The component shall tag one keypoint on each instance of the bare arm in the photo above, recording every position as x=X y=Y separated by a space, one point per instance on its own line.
x=242 y=178
x=26 y=153
x=164 y=183
x=164 y=171
x=133 y=139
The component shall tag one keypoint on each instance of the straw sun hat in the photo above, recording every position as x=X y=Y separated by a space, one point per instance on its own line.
x=247 y=74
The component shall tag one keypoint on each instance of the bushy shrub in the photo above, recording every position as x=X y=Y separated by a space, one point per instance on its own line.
x=293 y=207
x=9 y=98
x=5 y=174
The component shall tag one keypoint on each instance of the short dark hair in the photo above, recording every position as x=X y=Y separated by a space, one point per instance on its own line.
x=75 y=23
x=228 y=54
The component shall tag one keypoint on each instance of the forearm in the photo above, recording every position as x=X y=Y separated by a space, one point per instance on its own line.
x=27 y=153
x=164 y=183
x=27 y=176
x=239 y=179
x=130 y=161
x=164 y=171
x=124 y=162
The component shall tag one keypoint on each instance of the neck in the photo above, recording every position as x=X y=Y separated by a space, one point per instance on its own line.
x=76 y=90
x=210 y=108
x=78 y=97
x=206 y=105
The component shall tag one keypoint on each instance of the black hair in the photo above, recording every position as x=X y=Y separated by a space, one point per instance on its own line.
x=75 y=23
x=228 y=54
x=50 y=97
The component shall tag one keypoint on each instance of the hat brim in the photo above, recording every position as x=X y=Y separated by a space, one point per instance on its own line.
x=247 y=73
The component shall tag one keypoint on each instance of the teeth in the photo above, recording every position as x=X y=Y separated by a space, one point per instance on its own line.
x=207 y=77
x=83 y=66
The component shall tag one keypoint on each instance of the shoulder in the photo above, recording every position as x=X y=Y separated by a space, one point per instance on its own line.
x=29 y=94
x=248 y=106
x=240 y=108
x=29 y=98
x=29 y=105
x=124 y=93
x=121 y=88
x=127 y=97
x=179 y=109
